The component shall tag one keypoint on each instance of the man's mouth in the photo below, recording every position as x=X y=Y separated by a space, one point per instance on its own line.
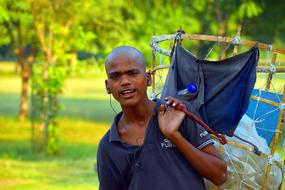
x=128 y=93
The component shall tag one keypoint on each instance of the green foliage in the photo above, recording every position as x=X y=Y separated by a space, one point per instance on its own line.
x=98 y=26
x=55 y=83
x=269 y=26
x=53 y=146
x=12 y=15
x=4 y=14
x=249 y=9
x=45 y=108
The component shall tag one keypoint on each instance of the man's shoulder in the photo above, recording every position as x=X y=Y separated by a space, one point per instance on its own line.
x=158 y=100
x=105 y=141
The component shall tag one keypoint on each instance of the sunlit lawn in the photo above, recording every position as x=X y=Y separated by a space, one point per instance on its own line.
x=72 y=169
x=84 y=118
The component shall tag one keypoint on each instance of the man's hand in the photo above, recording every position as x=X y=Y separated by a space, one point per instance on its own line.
x=206 y=161
x=170 y=118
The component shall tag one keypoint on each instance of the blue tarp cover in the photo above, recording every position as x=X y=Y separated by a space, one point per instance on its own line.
x=224 y=86
x=265 y=115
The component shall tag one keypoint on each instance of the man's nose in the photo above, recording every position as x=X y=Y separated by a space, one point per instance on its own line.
x=125 y=80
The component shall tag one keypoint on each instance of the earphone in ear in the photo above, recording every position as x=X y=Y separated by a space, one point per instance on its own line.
x=108 y=90
x=148 y=82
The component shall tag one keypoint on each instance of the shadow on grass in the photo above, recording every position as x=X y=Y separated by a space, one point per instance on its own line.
x=9 y=104
x=23 y=169
x=86 y=109
x=89 y=109
x=22 y=150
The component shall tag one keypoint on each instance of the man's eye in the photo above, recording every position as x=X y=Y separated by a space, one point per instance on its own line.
x=133 y=73
x=114 y=77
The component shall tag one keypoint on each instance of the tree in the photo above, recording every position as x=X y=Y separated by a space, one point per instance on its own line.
x=15 y=21
x=269 y=26
x=55 y=23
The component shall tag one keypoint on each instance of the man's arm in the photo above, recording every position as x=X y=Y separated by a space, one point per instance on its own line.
x=107 y=174
x=206 y=161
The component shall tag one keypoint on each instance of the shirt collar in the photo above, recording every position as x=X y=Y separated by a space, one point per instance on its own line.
x=157 y=102
x=114 y=134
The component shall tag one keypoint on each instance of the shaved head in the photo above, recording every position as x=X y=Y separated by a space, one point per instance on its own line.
x=127 y=79
x=126 y=51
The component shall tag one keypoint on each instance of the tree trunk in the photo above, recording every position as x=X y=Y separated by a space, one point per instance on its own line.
x=24 y=92
x=26 y=66
x=17 y=66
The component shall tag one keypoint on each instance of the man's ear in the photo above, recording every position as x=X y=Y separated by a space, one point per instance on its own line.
x=149 y=79
x=107 y=87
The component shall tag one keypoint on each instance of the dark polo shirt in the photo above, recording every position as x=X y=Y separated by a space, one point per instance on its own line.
x=156 y=165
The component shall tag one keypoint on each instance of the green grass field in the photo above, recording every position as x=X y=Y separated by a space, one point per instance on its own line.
x=72 y=169
x=84 y=118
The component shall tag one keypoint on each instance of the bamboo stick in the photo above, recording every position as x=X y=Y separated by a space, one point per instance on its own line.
x=237 y=37
x=248 y=149
x=274 y=143
x=265 y=101
x=282 y=169
x=278 y=128
x=212 y=38
x=270 y=74
x=258 y=69
x=266 y=70
x=153 y=71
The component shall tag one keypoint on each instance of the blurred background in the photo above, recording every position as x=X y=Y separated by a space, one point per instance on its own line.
x=53 y=104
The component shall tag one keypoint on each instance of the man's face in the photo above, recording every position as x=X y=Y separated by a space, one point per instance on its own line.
x=127 y=79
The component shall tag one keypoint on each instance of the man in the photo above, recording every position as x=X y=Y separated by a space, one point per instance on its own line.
x=148 y=145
